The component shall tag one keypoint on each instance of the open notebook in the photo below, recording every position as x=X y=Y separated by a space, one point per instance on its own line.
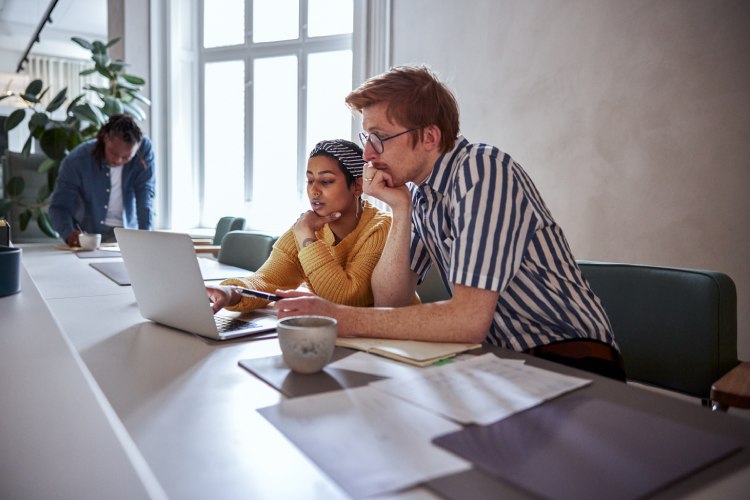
x=407 y=351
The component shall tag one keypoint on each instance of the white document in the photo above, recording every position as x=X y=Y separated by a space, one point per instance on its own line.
x=367 y=441
x=364 y=362
x=482 y=390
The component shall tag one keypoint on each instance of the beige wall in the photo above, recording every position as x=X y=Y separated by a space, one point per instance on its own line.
x=633 y=117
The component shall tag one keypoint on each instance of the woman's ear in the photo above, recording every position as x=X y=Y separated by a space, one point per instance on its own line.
x=357 y=186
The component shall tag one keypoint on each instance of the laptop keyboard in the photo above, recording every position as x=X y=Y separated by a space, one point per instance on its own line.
x=224 y=324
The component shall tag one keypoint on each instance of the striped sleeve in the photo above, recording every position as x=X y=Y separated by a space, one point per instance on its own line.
x=493 y=221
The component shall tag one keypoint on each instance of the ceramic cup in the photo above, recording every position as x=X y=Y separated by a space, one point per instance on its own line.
x=10 y=270
x=307 y=342
x=89 y=241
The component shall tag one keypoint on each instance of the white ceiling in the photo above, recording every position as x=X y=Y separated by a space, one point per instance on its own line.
x=20 y=18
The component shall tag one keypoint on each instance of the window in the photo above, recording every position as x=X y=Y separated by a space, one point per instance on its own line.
x=274 y=74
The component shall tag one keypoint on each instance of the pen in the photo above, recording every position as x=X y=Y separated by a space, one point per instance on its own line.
x=257 y=293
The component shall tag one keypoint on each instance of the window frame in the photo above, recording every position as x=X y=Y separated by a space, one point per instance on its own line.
x=248 y=52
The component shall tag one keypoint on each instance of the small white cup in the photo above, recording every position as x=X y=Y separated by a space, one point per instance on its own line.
x=307 y=342
x=89 y=241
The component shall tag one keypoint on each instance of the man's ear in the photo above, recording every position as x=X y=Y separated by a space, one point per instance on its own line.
x=431 y=138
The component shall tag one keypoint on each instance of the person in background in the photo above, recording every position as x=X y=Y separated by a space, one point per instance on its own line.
x=332 y=249
x=472 y=211
x=105 y=183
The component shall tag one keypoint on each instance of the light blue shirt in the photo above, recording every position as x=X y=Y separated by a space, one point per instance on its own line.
x=479 y=218
x=81 y=194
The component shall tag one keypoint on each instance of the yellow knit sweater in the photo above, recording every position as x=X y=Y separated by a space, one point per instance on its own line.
x=337 y=272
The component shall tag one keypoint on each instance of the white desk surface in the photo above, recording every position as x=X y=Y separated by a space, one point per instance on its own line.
x=190 y=409
x=59 y=437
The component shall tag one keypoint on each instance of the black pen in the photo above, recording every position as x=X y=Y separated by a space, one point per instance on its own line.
x=257 y=293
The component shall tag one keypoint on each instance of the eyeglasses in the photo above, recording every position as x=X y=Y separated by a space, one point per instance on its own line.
x=377 y=142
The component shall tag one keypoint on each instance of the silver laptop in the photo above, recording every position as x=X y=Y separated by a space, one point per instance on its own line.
x=169 y=288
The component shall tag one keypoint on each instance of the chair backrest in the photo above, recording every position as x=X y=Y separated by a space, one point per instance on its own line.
x=246 y=249
x=676 y=328
x=227 y=224
x=432 y=288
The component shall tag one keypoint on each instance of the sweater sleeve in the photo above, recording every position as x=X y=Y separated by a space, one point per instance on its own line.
x=281 y=271
x=345 y=279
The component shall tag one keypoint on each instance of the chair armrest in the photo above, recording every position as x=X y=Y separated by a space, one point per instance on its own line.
x=733 y=389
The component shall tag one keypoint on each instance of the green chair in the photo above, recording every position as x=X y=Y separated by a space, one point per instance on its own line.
x=225 y=225
x=246 y=249
x=432 y=288
x=676 y=328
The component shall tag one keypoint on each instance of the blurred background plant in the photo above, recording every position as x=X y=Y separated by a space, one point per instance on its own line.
x=57 y=134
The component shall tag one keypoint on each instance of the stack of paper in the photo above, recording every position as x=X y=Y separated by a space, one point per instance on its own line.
x=407 y=351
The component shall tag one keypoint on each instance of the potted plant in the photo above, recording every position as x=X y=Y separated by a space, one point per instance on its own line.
x=56 y=137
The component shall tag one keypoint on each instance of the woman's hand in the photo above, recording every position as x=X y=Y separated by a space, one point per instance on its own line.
x=308 y=224
x=222 y=296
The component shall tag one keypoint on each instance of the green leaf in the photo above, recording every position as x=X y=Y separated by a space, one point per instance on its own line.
x=27 y=147
x=57 y=101
x=134 y=111
x=5 y=96
x=121 y=83
x=46 y=164
x=6 y=206
x=83 y=43
x=45 y=224
x=116 y=66
x=112 y=42
x=41 y=96
x=87 y=72
x=34 y=87
x=53 y=142
x=29 y=98
x=24 y=218
x=106 y=74
x=135 y=80
x=140 y=97
x=38 y=119
x=98 y=47
x=74 y=103
x=112 y=106
x=15 y=186
x=87 y=112
x=43 y=193
x=14 y=119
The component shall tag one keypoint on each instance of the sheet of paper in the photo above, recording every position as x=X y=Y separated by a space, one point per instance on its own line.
x=367 y=441
x=481 y=390
x=376 y=365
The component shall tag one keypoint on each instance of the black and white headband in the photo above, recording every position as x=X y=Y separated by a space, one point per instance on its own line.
x=346 y=153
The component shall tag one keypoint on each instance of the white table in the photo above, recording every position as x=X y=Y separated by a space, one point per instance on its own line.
x=189 y=408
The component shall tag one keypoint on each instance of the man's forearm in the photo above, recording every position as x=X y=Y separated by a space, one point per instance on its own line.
x=393 y=281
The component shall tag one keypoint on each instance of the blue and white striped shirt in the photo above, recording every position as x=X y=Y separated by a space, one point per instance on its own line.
x=480 y=219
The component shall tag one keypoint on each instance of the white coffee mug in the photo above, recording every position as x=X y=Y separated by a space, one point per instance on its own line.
x=89 y=241
x=307 y=342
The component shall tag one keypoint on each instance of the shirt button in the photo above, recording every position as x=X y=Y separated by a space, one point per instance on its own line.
x=105 y=206
x=101 y=222
x=108 y=190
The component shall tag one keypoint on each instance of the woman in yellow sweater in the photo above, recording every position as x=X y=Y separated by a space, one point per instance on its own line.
x=332 y=248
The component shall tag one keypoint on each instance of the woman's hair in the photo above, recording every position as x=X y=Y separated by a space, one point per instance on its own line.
x=415 y=98
x=348 y=156
x=121 y=126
